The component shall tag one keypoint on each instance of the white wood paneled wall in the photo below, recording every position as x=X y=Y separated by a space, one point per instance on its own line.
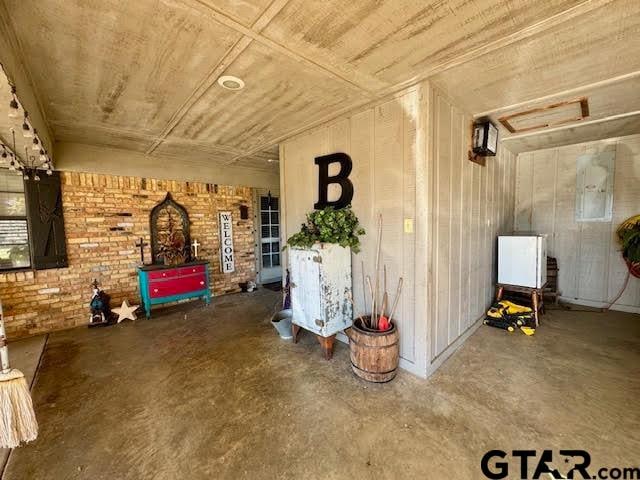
x=471 y=206
x=591 y=268
x=410 y=162
x=387 y=152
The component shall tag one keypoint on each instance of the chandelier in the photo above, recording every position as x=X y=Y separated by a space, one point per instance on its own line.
x=33 y=161
x=36 y=158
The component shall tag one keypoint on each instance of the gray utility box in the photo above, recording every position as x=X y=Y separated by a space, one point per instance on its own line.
x=321 y=288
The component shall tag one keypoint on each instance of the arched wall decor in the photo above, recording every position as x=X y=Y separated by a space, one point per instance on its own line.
x=170 y=238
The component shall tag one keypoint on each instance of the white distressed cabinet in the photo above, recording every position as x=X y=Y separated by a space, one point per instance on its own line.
x=321 y=288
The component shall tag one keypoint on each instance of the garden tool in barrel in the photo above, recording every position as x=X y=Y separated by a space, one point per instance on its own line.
x=17 y=418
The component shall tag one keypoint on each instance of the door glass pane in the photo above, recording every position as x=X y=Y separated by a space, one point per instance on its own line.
x=269 y=229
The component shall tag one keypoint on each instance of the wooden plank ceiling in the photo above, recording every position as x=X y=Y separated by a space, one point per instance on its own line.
x=142 y=75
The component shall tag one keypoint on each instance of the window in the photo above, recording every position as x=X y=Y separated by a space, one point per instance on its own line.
x=14 y=233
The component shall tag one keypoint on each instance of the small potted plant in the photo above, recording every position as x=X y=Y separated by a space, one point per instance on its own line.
x=329 y=226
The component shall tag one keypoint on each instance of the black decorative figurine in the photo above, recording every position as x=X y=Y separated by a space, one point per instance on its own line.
x=101 y=315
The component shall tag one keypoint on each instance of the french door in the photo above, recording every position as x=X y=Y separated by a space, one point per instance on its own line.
x=269 y=244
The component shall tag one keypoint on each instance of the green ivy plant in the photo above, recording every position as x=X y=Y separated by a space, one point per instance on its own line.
x=629 y=236
x=329 y=226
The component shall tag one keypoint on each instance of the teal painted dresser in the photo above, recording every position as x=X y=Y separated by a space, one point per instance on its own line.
x=164 y=284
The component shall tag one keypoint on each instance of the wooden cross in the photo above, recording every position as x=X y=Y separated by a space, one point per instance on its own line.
x=141 y=244
x=195 y=246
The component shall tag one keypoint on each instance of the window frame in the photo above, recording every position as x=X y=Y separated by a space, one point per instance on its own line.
x=24 y=217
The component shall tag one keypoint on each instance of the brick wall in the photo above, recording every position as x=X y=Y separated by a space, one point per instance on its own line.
x=101 y=244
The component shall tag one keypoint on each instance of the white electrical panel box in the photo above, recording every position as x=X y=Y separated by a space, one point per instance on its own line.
x=321 y=288
x=522 y=260
x=594 y=187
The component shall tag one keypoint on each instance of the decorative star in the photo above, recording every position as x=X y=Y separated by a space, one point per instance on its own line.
x=126 y=311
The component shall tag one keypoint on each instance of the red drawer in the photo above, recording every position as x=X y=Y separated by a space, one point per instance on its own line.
x=191 y=270
x=161 y=274
x=177 y=286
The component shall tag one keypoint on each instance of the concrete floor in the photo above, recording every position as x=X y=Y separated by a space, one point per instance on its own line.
x=199 y=393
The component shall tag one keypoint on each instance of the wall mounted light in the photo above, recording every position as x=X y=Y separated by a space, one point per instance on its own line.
x=485 y=138
x=484 y=141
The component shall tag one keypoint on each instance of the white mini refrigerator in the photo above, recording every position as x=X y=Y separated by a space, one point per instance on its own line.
x=522 y=260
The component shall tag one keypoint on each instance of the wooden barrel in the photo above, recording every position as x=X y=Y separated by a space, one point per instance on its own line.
x=374 y=354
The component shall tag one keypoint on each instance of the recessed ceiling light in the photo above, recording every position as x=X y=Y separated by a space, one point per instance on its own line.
x=230 y=82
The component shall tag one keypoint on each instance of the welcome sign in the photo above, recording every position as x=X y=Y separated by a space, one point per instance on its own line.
x=227 y=259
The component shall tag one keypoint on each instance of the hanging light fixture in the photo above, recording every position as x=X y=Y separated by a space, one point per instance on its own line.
x=14 y=108
x=39 y=160
x=12 y=164
x=26 y=129
x=36 y=141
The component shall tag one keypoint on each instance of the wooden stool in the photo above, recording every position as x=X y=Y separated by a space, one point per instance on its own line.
x=551 y=288
x=537 y=300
